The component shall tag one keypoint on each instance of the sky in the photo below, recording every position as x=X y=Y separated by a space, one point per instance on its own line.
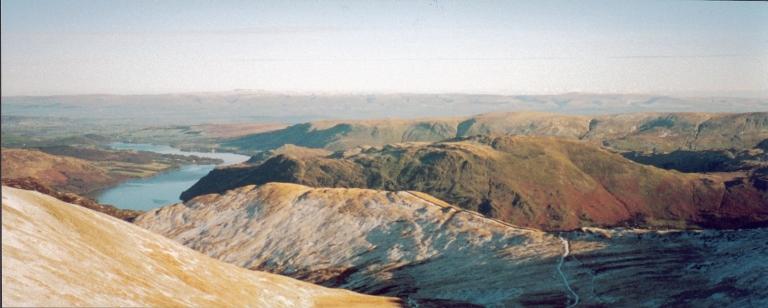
x=492 y=47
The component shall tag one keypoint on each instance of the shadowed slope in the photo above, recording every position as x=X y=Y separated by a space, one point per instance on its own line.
x=730 y=160
x=57 y=254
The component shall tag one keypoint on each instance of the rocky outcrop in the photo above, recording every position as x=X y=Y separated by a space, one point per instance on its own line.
x=414 y=246
x=57 y=254
x=542 y=182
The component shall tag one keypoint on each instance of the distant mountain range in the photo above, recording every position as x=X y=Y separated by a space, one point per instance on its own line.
x=246 y=106
x=660 y=132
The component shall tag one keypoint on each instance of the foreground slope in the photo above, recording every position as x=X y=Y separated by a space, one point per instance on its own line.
x=58 y=254
x=542 y=182
x=411 y=245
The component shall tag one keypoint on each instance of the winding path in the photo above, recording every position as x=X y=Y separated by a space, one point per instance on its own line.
x=566 y=252
x=566 y=244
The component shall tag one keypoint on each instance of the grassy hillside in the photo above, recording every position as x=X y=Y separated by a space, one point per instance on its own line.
x=82 y=170
x=334 y=135
x=544 y=182
x=59 y=172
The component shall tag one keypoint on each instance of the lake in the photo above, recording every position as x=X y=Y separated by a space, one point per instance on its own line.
x=163 y=188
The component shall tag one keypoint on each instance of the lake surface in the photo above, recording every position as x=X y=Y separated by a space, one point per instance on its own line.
x=163 y=188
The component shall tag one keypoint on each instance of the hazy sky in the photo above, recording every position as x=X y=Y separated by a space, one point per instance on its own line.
x=76 y=47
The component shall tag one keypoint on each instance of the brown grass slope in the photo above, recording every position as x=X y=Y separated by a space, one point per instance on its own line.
x=59 y=172
x=82 y=170
x=542 y=182
x=57 y=254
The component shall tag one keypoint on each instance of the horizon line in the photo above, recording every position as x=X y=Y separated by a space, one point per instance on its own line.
x=687 y=94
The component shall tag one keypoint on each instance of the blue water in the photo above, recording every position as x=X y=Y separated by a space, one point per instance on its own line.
x=164 y=188
x=228 y=158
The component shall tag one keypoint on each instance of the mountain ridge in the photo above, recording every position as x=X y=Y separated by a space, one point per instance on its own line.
x=543 y=182
x=624 y=132
x=418 y=247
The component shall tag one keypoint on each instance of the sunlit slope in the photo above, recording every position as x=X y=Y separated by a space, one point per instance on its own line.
x=542 y=182
x=59 y=254
x=84 y=169
x=339 y=135
x=60 y=172
x=412 y=245
x=395 y=243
